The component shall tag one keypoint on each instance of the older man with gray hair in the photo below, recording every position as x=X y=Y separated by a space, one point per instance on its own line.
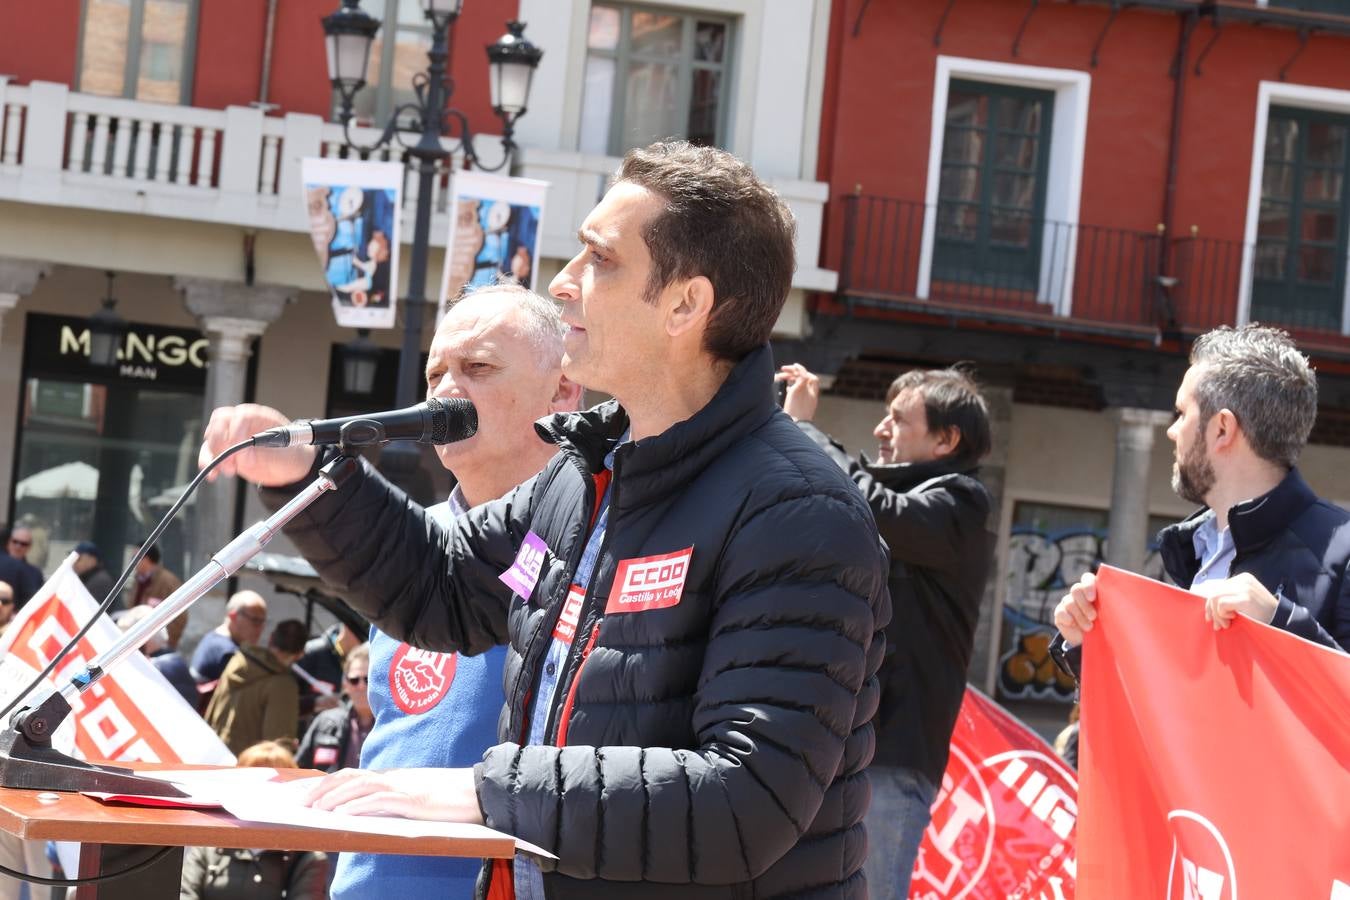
x=1264 y=544
x=499 y=346
x=245 y=618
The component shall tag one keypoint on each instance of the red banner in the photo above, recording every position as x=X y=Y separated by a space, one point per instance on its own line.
x=1214 y=765
x=1003 y=822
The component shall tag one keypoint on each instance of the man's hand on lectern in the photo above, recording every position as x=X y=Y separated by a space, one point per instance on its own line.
x=443 y=795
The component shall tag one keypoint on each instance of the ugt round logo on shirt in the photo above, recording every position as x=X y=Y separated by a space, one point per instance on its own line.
x=419 y=679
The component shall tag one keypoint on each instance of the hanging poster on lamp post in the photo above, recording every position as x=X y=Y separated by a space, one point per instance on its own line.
x=495 y=232
x=354 y=211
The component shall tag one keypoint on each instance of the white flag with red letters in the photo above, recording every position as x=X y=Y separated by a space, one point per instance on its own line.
x=131 y=714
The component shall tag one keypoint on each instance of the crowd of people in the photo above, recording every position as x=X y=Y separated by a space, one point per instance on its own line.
x=683 y=640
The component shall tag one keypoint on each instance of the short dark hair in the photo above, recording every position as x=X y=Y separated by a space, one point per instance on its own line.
x=951 y=399
x=152 y=553
x=719 y=221
x=289 y=636
x=1257 y=374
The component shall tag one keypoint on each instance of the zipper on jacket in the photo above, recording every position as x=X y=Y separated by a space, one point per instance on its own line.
x=565 y=717
x=525 y=681
x=572 y=662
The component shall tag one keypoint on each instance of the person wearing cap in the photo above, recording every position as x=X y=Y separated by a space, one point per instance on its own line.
x=89 y=566
x=153 y=581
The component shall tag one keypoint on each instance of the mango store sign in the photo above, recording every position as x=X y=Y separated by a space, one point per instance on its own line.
x=147 y=353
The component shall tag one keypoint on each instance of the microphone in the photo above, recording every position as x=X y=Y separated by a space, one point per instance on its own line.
x=436 y=421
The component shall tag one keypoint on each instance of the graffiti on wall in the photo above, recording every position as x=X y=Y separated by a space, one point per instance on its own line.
x=1041 y=567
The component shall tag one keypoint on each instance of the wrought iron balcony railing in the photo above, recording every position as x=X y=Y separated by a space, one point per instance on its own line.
x=1005 y=265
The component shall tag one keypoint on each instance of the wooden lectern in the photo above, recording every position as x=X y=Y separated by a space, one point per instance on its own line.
x=117 y=836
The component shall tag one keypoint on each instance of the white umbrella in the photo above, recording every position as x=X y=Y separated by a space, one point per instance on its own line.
x=78 y=480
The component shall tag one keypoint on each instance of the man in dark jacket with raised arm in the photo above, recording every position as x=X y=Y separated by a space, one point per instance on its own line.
x=692 y=593
x=934 y=515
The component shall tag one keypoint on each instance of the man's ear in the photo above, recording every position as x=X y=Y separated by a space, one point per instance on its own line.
x=567 y=397
x=691 y=307
x=1222 y=430
x=949 y=440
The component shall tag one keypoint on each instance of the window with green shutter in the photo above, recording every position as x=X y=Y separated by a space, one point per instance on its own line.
x=991 y=193
x=1299 y=275
x=1336 y=7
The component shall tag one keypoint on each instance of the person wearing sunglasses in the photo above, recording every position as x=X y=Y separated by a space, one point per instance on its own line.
x=15 y=569
x=336 y=735
x=6 y=605
x=245 y=619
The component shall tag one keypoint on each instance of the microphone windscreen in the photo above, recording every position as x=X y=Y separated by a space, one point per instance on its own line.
x=452 y=420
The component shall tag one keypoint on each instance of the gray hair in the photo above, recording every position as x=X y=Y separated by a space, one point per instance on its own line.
x=543 y=322
x=245 y=598
x=1258 y=374
x=133 y=617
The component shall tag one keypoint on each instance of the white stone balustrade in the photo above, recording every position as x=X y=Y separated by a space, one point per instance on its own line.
x=240 y=167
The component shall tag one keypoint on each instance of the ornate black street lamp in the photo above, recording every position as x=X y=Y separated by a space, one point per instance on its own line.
x=513 y=59
x=106 y=330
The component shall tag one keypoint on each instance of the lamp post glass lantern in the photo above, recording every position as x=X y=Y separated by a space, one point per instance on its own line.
x=360 y=360
x=349 y=33
x=421 y=127
x=512 y=60
x=106 y=330
x=442 y=9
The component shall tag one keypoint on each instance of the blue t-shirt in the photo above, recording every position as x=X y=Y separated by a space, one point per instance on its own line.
x=431 y=709
x=211 y=656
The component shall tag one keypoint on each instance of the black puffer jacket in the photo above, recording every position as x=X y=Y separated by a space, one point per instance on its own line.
x=214 y=873
x=714 y=748
x=1296 y=545
x=324 y=745
x=935 y=518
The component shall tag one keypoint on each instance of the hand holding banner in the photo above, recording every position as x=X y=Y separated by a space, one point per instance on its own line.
x=1214 y=765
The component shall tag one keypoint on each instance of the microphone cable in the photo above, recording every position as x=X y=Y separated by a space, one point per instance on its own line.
x=56 y=660
x=122 y=579
x=91 y=879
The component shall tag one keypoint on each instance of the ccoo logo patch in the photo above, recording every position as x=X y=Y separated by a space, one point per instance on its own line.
x=420 y=679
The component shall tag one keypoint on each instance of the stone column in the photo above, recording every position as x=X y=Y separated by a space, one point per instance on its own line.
x=8 y=300
x=993 y=475
x=18 y=278
x=231 y=315
x=1127 y=527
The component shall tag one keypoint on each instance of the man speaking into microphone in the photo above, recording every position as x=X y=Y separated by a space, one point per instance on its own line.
x=691 y=591
x=500 y=349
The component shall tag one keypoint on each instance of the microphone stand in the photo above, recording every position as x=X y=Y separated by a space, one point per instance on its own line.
x=27 y=758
